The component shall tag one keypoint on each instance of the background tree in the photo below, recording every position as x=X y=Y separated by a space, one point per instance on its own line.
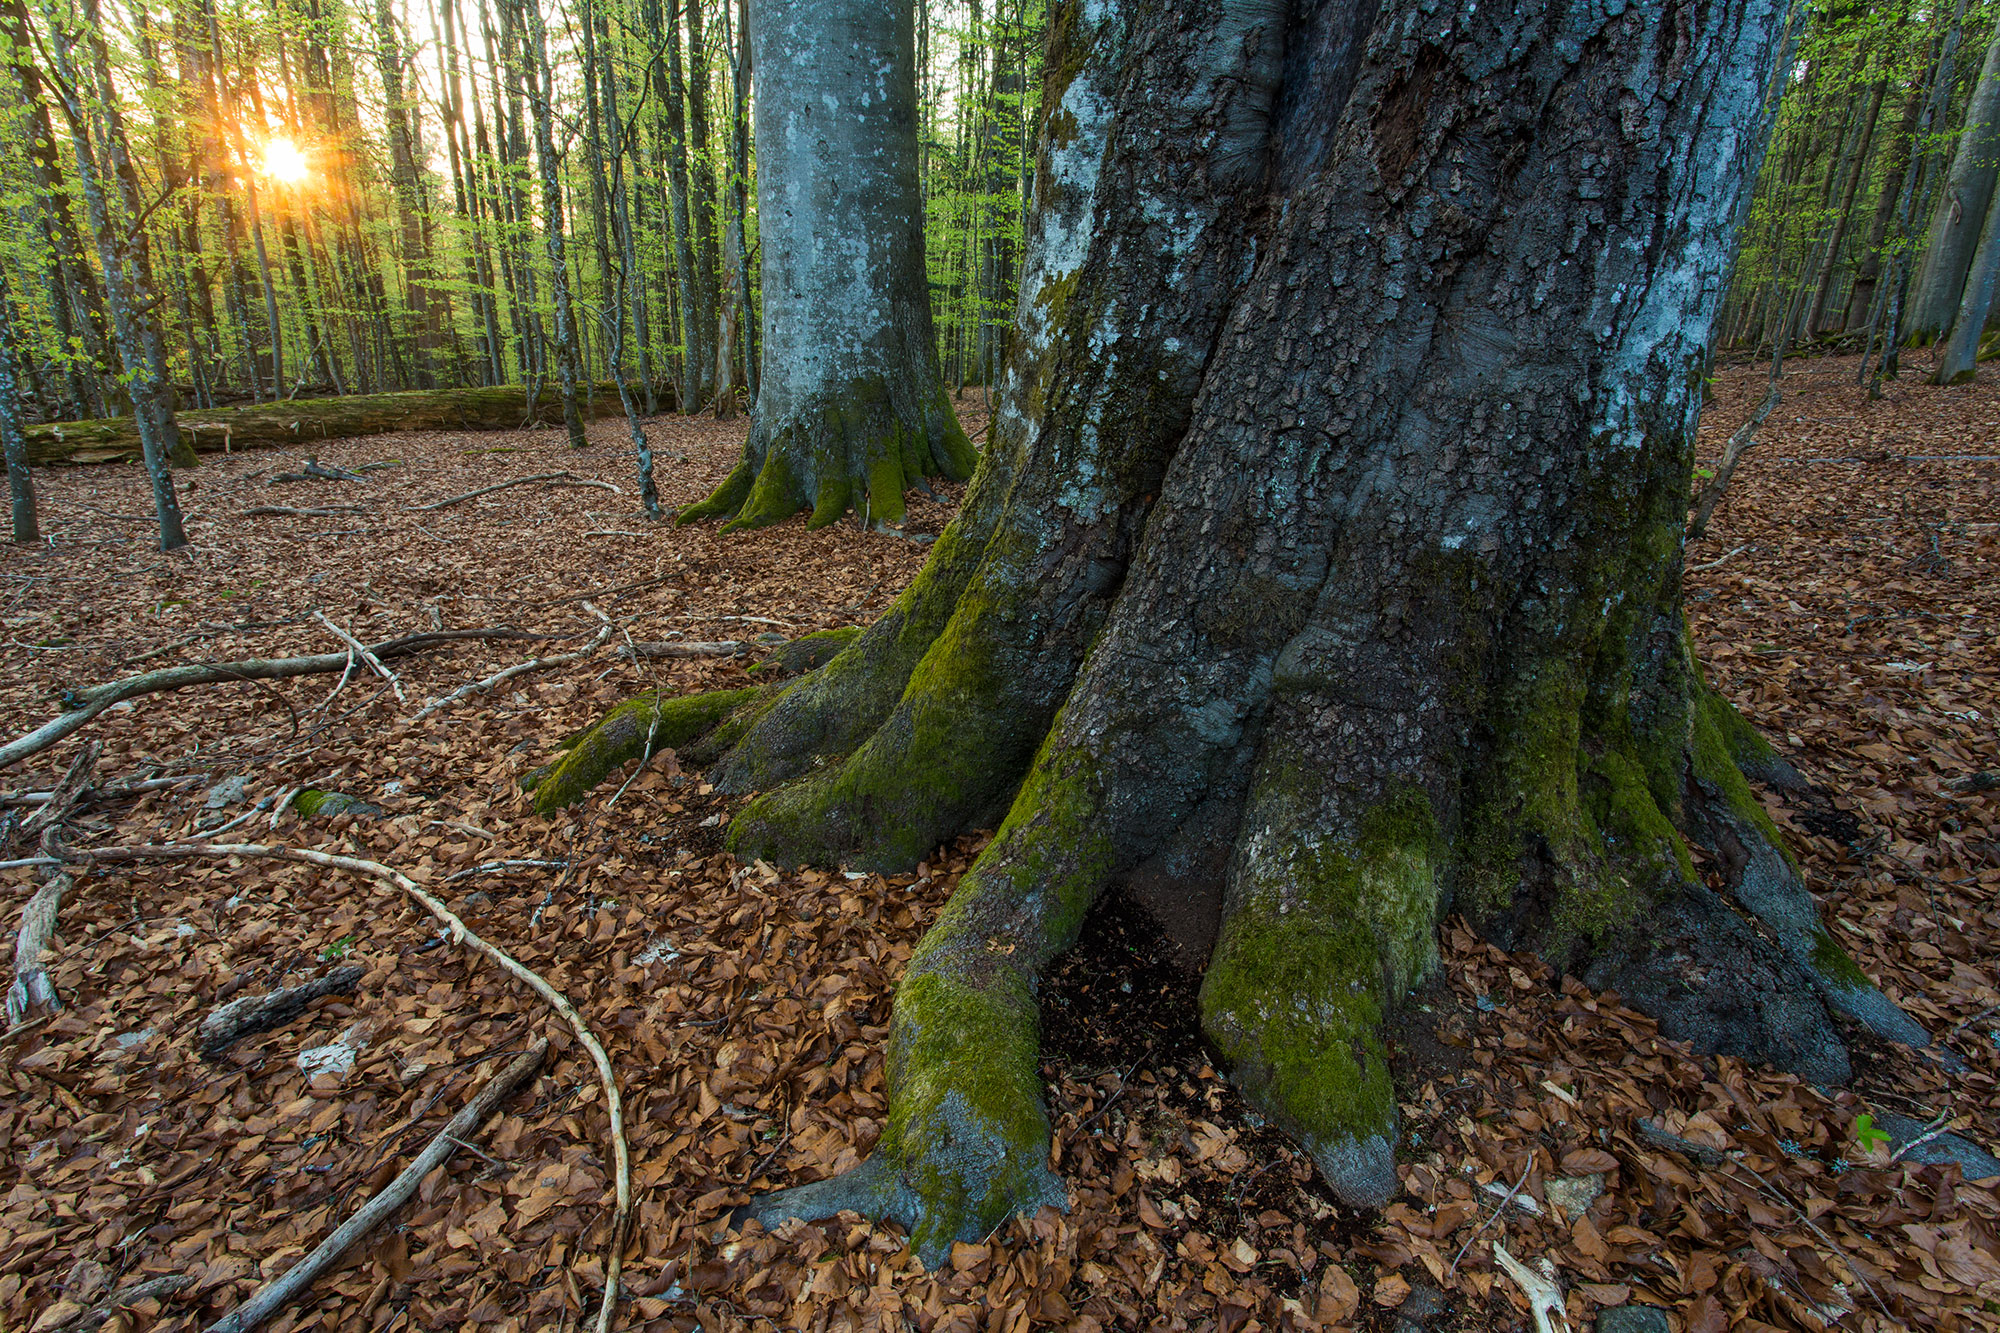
x=850 y=409
x=1311 y=594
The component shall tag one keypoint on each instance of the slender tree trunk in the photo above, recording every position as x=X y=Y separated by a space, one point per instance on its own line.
x=701 y=191
x=410 y=195
x=669 y=94
x=104 y=174
x=850 y=410
x=1857 y=166
x=1895 y=159
x=542 y=108
x=76 y=299
x=20 y=484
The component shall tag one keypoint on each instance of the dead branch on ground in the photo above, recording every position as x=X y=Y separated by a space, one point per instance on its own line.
x=523 y=668
x=461 y=933
x=280 y=1292
x=100 y=1314
x=247 y=1015
x=355 y=645
x=32 y=994
x=286 y=511
x=723 y=648
x=553 y=478
x=84 y=705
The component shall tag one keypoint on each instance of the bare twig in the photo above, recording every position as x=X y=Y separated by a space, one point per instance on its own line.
x=1936 y=1129
x=1711 y=564
x=553 y=478
x=355 y=645
x=1500 y=1208
x=330 y=511
x=86 y=704
x=1545 y=1298
x=522 y=668
x=280 y=1292
x=100 y=1314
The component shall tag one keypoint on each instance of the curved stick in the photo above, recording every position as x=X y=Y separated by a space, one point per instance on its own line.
x=461 y=934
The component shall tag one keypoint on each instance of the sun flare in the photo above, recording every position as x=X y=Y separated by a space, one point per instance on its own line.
x=283 y=161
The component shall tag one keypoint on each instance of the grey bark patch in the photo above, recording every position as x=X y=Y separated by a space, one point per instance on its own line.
x=1633 y=1319
x=1973 y=1160
x=1360 y=1172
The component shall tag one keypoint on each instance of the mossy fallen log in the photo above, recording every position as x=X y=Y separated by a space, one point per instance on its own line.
x=263 y=425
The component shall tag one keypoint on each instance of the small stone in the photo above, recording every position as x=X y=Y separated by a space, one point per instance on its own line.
x=229 y=791
x=478 y=900
x=1633 y=1319
x=1574 y=1194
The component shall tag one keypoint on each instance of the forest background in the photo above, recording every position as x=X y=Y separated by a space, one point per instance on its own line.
x=317 y=197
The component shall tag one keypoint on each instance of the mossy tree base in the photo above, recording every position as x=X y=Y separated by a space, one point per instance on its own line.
x=856 y=448
x=1370 y=612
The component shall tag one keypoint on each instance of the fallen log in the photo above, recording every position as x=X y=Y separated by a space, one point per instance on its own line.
x=267 y=425
x=247 y=1015
x=282 y=1291
x=84 y=705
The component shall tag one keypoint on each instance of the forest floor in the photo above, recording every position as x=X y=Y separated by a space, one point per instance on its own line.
x=1850 y=607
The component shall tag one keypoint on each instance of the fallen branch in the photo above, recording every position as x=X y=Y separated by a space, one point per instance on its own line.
x=32 y=994
x=1545 y=1298
x=461 y=933
x=522 y=668
x=86 y=704
x=1976 y=782
x=248 y=1015
x=1711 y=564
x=65 y=797
x=280 y=1292
x=314 y=470
x=99 y=793
x=100 y=1314
x=723 y=648
x=554 y=478
x=355 y=645
x=286 y=511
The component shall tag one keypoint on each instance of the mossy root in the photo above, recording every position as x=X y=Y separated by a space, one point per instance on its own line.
x=636 y=729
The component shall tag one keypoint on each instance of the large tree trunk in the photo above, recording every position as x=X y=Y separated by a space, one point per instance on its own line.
x=1324 y=574
x=1960 y=217
x=850 y=410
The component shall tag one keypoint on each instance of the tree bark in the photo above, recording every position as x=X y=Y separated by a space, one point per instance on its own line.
x=1960 y=218
x=20 y=485
x=1324 y=572
x=1959 y=359
x=850 y=410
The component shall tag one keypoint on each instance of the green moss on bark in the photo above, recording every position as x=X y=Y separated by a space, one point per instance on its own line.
x=636 y=729
x=1320 y=939
x=850 y=448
